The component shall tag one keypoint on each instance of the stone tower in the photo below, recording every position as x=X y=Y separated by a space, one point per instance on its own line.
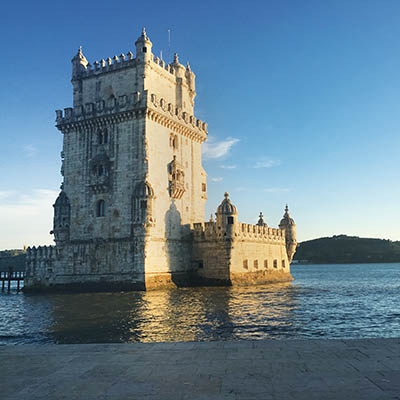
x=130 y=214
x=133 y=180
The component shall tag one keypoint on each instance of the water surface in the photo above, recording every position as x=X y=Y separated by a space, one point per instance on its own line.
x=324 y=301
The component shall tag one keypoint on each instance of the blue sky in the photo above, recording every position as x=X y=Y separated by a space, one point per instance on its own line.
x=301 y=100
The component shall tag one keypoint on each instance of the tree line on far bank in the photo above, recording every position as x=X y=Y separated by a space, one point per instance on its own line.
x=343 y=249
x=12 y=258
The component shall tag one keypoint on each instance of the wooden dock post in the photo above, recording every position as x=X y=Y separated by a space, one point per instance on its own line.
x=9 y=276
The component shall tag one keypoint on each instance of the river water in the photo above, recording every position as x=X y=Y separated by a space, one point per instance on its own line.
x=324 y=301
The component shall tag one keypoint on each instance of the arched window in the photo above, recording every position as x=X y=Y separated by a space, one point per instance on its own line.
x=100 y=208
x=100 y=138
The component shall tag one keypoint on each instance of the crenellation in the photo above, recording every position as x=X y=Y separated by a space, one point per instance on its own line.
x=210 y=230
x=178 y=113
x=124 y=102
x=130 y=213
x=41 y=253
x=123 y=61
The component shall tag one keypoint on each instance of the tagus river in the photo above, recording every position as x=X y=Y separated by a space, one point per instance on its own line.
x=324 y=301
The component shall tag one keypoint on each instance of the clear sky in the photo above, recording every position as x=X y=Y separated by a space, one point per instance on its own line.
x=301 y=100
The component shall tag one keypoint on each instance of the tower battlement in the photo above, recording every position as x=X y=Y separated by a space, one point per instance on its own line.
x=122 y=61
x=210 y=231
x=124 y=103
x=122 y=108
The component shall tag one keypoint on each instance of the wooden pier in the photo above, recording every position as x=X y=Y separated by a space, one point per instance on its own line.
x=10 y=276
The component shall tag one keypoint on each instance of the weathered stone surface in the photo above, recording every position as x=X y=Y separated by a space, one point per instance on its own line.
x=132 y=199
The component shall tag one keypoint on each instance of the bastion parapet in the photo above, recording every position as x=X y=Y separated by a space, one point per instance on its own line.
x=210 y=231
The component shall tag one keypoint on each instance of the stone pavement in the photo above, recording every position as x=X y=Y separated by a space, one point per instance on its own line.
x=294 y=369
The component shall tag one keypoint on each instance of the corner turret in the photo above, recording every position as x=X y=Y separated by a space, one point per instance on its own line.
x=62 y=219
x=143 y=48
x=190 y=81
x=226 y=216
x=180 y=70
x=261 y=220
x=79 y=64
x=288 y=225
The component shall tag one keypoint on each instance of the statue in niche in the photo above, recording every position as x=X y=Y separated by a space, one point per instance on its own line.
x=176 y=177
x=100 y=167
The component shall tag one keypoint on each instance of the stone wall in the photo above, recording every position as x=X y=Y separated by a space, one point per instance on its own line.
x=108 y=265
x=242 y=254
x=134 y=186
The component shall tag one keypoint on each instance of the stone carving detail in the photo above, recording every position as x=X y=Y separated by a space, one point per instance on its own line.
x=114 y=228
x=62 y=218
x=176 y=179
x=100 y=167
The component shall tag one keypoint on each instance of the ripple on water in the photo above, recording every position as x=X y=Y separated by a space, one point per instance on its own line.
x=324 y=301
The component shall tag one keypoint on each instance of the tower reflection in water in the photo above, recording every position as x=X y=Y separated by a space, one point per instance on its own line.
x=190 y=314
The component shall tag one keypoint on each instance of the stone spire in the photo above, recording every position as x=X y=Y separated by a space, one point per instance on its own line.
x=261 y=220
x=79 y=63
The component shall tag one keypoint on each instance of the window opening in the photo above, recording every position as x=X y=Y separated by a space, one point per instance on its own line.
x=100 y=208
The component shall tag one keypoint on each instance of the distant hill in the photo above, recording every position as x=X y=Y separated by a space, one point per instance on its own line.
x=342 y=249
x=12 y=258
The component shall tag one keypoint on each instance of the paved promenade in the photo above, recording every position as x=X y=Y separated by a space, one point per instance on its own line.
x=313 y=369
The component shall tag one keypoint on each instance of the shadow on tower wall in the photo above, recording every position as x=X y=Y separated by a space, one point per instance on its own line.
x=178 y=247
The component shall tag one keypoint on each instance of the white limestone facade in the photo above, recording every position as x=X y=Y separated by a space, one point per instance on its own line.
x=131 y=206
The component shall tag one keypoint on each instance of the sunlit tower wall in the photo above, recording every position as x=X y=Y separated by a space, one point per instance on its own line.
x=133 y=181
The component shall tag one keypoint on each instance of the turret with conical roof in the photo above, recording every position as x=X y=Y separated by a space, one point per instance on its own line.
x=287 y=223
x=143 y=47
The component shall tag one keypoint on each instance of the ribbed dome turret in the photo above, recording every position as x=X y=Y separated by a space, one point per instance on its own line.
x=226 y=207
x=286 y=220
x=143 y=38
